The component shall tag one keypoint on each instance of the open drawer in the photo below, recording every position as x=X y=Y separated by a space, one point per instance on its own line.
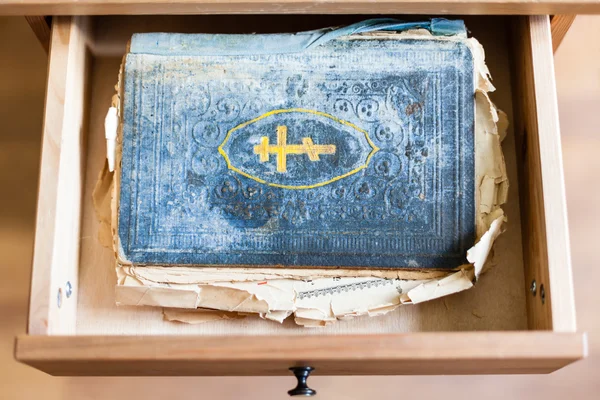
x=520 y=317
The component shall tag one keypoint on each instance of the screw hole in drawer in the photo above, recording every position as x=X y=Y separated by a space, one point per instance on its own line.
x=59 y=297
x=543 y=293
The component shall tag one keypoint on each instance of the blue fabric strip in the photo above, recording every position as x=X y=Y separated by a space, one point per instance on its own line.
x=279 y=43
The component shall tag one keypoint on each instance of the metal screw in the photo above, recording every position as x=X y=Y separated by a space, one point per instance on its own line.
x=59 y=298
x=533 y=288
x=69 y=290
x=542 y=294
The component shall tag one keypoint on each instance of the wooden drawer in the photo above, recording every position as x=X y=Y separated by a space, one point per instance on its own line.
x=500 y=326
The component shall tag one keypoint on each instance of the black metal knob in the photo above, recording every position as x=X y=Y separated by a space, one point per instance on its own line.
x=302 y=388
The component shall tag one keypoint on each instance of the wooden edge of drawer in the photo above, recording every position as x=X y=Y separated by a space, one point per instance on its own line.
x=40 y=26
x=89 y=7
x=545 y=230
x=559 y=25
x=397 y=354
x=414 y=353
x=58 y=218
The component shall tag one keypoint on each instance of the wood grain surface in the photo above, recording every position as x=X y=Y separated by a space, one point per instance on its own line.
x=103 y=7
x=41 y=27
x=541 y=186
x=396 y=354
x=560 y=24
x=56 y=253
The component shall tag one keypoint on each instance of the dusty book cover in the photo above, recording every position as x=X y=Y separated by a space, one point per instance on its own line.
x=349 y=153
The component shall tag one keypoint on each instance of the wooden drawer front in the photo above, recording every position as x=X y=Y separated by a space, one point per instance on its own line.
x=402 y=354
x=65 y=297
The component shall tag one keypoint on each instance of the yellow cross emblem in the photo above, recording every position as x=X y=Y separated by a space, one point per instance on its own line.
x=282 y=149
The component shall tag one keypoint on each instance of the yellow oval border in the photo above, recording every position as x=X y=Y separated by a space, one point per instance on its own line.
x=304 y=110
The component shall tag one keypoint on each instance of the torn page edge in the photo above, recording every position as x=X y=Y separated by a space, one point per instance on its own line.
x=312 y=303
x=478 y=254
x=457 y=282
x=207 y=275
x=491 y=178
x=198 y=316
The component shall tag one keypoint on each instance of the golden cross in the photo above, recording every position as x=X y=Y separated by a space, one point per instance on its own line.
x=282 y=149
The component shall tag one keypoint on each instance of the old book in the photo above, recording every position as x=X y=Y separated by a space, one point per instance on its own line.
x=321 y=149
x=240 y=158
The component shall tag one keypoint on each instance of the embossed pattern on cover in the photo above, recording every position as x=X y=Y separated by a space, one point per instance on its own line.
x=355 y=153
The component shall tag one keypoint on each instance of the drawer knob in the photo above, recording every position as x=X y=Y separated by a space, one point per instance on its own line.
x=302 y=388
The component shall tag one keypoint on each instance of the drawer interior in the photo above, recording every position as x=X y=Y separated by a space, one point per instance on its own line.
x=73 y=276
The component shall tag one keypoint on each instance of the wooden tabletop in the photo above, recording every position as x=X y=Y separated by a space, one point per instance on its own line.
x=73 y=7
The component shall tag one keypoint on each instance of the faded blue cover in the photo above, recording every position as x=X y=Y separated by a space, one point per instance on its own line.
x=355 y=153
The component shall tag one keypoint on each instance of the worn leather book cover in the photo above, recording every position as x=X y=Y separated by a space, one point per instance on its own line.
x=317 y=149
